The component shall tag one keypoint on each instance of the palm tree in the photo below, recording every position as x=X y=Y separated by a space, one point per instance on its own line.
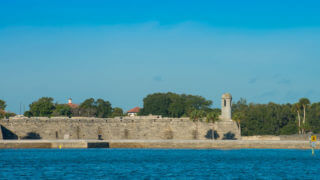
x=196 y=115
x=212 y=117
x=297 y=108
x=237 y=118
x=304 y=103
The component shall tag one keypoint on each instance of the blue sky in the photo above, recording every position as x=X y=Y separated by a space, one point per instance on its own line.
x=123 y=50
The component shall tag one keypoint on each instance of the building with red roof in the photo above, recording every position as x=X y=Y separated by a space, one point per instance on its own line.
x=134 y=111
x=70 y=104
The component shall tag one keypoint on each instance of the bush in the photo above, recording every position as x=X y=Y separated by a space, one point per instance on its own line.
x=289 y=129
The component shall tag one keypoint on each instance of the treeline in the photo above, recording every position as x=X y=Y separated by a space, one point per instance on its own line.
x=45 y=107
x=175 y=105
x=254 y=119
x=3 y=112
x=277 y=119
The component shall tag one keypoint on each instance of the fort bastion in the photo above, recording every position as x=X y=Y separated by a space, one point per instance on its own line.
x=139 y=127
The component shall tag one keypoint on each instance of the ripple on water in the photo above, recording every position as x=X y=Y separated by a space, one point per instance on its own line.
x=153 y=163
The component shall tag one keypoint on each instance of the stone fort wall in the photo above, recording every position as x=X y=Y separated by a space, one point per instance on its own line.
x=147 y=128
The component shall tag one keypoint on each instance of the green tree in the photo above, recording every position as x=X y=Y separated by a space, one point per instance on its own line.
x=240 y=113
x=92 y=108
x=297 y=108
x=3 y=104
x=157 y=104
x=197 y=115
x=104 y=108
x=2 y=113
x=304 y=103
x=117 y=112
x=88 y=108
x=196 y=102
x=62 y=110
x=212 y=117
x=9 y=114
x=177 y=106
x=28 y=114
x=290 y=128
x=237 y=116
x=286 y=115
x=43 y=107
x=314 y=117
x=262 y=119
x=240 y=106
x=173 y=105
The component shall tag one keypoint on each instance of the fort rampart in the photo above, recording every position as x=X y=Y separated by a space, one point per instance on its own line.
x=144 y=128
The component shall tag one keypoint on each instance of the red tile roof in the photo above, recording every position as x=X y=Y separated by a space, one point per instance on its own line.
x=73 y=105
x=134 y=110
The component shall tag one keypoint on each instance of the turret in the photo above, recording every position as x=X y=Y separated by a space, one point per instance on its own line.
x=226 y=101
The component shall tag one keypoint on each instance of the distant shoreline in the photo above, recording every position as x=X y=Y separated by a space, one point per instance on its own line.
x=155 y=144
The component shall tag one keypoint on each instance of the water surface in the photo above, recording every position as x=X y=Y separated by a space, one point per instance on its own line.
x=155 y=164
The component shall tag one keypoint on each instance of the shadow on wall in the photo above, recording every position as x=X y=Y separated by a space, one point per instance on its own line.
x=168 y=134
x=195 y=134
x=229 y=136
x=32 y=135
x=126 y=134
x=212 y=134
x=7 y=134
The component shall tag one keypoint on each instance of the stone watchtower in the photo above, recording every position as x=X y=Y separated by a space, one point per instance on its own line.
x=226 y=101
x=226 y=127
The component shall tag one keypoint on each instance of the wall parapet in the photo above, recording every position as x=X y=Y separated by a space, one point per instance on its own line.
x=96 y=120
x=116 y=128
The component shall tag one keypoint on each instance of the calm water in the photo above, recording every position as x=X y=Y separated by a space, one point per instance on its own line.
x=155 y=164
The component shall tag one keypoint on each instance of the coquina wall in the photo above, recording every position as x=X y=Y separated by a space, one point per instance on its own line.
x=145 y=127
